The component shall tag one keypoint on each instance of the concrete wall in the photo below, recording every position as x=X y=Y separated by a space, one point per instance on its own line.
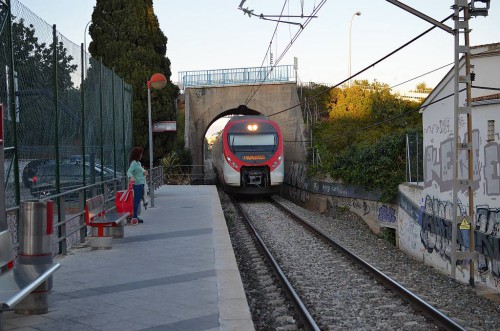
x=206 y=104
x=425 y=234
x=322 y=195
x=421 y=229
x=428 y=235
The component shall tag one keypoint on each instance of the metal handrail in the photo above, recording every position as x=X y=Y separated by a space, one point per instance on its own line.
x=77 y=219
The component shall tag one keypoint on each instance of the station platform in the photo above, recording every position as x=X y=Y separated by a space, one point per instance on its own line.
x=176 y=271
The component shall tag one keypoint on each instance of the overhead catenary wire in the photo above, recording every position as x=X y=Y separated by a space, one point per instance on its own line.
x=381 y=122
x=486 y=88
x=252 y=93
x=308 y=20
x=400 y=115
x=411 y=79
x=424 y=74
x=269 y=50
x=366 y=68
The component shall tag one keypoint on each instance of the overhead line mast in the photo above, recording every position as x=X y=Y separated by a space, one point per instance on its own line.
x=461 y=26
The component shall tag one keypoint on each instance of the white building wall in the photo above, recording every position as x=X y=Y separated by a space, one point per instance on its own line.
x=423 y=217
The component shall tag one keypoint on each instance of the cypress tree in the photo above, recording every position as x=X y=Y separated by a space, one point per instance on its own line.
x=127 y=36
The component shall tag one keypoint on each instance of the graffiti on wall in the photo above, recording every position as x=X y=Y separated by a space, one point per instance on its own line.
x=435 y=231
x=441 y=127
x=438 y=163
x=296 y=176
x=487 y=226
x=298 y=185
x=491 y=175
x=387 y=214
x=362 y=202
x=371 y=211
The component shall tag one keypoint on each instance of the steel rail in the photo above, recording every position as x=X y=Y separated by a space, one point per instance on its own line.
x=301 y=309
x=419 y=304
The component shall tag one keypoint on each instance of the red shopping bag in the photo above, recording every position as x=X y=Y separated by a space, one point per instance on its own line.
x=124 y=201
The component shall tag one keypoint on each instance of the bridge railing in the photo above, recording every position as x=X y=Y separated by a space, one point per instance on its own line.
x=236 y=76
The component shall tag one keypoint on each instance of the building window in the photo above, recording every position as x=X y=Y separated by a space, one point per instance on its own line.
x=491 y=130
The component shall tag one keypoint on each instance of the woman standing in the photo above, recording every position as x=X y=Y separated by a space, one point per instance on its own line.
x=136 y=174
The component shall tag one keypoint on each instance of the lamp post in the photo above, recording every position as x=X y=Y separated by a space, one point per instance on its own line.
x=358 y=13
x=157 y=81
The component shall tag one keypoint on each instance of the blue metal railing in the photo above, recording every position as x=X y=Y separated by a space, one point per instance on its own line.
x=234 y=76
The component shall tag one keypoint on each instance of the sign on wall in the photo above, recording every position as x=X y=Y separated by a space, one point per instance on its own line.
x=164 y=126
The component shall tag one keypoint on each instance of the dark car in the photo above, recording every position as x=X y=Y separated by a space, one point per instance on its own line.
x=30 y=170
x=70 y=177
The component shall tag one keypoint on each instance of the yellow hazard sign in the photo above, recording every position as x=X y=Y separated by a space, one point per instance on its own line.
x=464 y=225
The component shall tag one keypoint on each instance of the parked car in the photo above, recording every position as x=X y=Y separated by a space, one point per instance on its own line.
x=70 y=177
x=30 y=170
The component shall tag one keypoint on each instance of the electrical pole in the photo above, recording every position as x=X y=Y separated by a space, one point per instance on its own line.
x=463 y=221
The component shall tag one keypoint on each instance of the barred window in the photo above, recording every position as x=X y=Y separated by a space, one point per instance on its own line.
x=491 y=130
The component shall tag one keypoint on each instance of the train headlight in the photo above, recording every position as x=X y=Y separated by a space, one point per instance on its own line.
x=231 y=163
x=277 y=162
x=252 y=127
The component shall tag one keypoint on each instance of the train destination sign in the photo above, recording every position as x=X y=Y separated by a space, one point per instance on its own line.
x=164 y=126
x=254 y=157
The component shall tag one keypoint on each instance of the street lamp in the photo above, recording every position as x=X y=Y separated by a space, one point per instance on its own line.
x=358 y=13
x=157 y=81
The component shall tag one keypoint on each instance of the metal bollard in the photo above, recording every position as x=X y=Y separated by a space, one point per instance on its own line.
x=36 y=227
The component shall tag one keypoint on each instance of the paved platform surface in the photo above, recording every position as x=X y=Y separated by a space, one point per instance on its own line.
x=176 y=271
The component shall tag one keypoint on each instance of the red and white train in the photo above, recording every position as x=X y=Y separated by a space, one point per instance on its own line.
x=248 y=156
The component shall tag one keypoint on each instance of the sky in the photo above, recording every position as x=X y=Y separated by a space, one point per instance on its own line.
x=205 y=35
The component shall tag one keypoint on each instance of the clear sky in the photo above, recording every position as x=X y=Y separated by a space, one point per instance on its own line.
x=215 y=34
x=205 y=34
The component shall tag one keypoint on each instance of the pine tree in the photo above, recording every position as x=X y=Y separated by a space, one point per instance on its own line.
x=127 y=36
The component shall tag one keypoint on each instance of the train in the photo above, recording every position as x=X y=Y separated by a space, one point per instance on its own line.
x=247 y=156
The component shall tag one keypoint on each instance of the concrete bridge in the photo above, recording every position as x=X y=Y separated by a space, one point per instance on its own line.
x=246 y=92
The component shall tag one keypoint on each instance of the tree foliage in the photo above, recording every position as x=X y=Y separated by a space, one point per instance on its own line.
x=34 y=83
x=363 y=140
x=422 y=87
x=127 y=36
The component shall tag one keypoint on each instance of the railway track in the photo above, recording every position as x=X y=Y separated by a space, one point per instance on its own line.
x=318 y=272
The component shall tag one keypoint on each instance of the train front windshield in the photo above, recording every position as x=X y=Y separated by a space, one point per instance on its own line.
x=261 y=143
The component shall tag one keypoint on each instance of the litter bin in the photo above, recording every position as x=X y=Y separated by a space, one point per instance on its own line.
x=36 y=226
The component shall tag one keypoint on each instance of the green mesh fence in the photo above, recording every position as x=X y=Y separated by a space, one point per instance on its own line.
x=59 y=108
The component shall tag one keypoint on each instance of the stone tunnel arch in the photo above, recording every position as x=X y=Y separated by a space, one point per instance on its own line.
x=204 y=105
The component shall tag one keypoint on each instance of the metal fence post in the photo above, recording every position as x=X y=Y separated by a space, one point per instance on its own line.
x=114 y=121
x=81 y=223
x=101 y=114
x=408 y=160
x=123 y=124
x=61 y=220
x=82 y=105
x=12 y=104
x=56 y=107
x=418 y=160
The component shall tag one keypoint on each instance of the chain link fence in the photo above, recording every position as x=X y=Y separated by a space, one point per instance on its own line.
x=61 y=108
